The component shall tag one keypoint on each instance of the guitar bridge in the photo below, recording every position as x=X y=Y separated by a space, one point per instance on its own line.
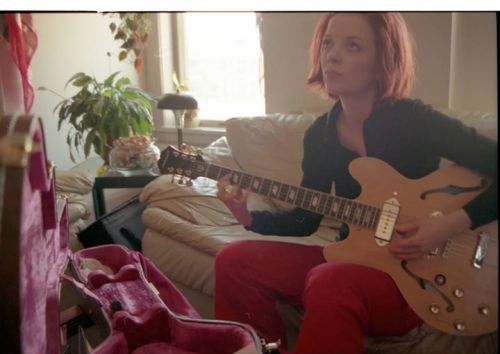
x=482 y=247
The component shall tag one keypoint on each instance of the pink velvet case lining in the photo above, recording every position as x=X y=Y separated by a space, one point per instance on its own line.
x=144 y=323
x=153 y=316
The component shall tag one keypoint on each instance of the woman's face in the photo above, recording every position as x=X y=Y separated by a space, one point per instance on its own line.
x=348 y=56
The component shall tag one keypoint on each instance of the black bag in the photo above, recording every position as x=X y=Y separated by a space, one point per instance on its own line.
x=122 y=226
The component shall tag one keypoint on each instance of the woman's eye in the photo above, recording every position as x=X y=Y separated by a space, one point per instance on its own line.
x=325 y=44
x=353 y=46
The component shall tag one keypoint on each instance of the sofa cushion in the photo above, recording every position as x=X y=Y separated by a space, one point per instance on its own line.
x=269 y=146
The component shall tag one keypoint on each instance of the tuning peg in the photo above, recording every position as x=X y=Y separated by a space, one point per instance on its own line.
x=184 y=147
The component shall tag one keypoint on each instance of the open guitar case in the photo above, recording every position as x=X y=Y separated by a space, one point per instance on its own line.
x=104 y=299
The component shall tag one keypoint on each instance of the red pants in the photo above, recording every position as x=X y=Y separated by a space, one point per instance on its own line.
x=342 y=302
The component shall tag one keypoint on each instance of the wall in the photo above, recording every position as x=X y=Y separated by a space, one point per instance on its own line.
x=466 y=58
x=473 y=81
x=69 y=43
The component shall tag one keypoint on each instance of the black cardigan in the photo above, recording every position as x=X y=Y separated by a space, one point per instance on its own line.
x=410 y=136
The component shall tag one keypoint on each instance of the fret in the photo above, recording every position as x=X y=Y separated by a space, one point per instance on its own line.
x=245 y=180
x=341 y=209
x=373 y=219
x=236 y=178
x=213 y=172
x=256 y=183
x=354 y=205
x=307 y=199
x=266 y=186
x=357 y=213
x=329 y=205
x=275 y=190
x=300 y=197
x=347 y=210
x=284 y=192
x=335 y=207
x=377 y=217
x=315 y=200
x=292 y=194
x=368 y=216
x=322 y=201
x=223 y=171
x=363 y=215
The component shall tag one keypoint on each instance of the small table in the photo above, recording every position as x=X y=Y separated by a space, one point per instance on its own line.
x=104 y=182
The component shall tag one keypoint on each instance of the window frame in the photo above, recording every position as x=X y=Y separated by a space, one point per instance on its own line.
x=173 y=60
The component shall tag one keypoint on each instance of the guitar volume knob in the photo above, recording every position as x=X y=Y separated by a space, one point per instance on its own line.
x=434 y=309
x=484 y=310
x=460 y=326
x=440 y=279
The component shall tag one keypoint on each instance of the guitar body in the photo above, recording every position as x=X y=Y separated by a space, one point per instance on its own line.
x=454 y=289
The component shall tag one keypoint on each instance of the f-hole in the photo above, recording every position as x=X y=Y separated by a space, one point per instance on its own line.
x=454 y=190
x=428 y=286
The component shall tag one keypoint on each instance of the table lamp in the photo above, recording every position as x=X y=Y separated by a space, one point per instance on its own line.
x=178 y=103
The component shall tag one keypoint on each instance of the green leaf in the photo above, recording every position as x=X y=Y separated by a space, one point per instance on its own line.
x=122 y=56
x=89 y=141
x=82 y=81
x=109 y=81
x=120 y=35
x=129 y=43
x=98 y=145
x=74 y=77
x=132 y=24
x=124 y=81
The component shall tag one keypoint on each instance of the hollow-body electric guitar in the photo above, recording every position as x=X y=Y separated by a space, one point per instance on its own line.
x=454 y=288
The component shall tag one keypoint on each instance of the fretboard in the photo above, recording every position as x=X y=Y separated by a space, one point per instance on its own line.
x=343 y=209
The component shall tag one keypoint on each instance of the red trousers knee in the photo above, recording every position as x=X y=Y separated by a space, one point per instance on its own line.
x=342 y=301
x=251 y=276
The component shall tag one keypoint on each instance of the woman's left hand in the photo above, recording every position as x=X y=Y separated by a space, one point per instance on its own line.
x=415 y=239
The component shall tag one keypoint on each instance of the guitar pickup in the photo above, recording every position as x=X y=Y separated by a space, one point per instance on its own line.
x=481 y=249
x=387 y=220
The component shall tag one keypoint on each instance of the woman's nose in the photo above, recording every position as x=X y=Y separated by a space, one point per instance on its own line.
x=333 y=54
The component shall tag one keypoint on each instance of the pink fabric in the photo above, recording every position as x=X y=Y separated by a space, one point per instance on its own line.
x=23 y=42
x=44 y=254
x=160 y=348
x=142 y=319
x=143 y=323
x=342 y=302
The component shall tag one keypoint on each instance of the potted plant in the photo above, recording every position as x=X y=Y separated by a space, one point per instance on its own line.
x=132 y=30
x=101 y=112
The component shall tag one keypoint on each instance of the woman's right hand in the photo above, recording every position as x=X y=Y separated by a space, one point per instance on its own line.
x=235 y=199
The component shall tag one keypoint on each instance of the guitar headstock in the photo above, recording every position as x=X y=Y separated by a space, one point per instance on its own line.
x=183 y=163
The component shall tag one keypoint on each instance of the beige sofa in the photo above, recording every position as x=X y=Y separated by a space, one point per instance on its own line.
x=187 y=225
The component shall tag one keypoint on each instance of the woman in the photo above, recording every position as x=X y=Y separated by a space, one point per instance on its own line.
x=364 y=62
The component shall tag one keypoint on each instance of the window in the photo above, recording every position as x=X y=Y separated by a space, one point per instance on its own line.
x=218 y=57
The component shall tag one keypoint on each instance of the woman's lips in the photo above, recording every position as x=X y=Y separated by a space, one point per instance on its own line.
x=332 y=73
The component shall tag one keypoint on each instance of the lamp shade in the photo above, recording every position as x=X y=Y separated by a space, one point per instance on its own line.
x=177 y=101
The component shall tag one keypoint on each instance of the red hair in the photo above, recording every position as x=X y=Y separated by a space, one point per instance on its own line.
x=394 y=50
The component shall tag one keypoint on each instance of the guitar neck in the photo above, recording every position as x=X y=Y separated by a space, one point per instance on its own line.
x=342 y=209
